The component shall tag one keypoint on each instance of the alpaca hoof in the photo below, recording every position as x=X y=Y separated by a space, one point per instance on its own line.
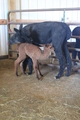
x=57 y=77
x=38 y=78
x=17 y=74
x=24 y=73
x=41 y=75
x=67 y=74
x=29 y=73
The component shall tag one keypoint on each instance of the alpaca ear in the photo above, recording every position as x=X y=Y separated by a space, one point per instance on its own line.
x=16 y=30
x=51 y=47
x=47 y=45
x=21 y=26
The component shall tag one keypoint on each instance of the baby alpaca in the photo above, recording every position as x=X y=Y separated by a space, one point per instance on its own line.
x=35 y=53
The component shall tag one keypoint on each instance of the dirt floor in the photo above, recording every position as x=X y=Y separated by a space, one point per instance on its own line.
x=26 y=98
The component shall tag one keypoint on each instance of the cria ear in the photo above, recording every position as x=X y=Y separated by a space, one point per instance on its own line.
x=47 y=45
x=16 y=30
x=51 y=46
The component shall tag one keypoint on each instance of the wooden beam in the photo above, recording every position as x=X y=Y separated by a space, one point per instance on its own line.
x=3 y=22
x=18 y=21
x=24 y=21
x=75 y=36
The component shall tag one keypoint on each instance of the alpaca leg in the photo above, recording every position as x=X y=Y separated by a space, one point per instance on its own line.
x=36 y=68
x=21 y=66
x=39 y=69
x=68 y=59
x=16 y=66
x=19 y=59
x=36 y=72
x=61 y=59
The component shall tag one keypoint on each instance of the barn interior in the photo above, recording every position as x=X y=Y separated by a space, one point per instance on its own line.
x=24 y=97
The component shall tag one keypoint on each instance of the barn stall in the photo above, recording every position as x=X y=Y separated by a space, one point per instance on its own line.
x=24 y=97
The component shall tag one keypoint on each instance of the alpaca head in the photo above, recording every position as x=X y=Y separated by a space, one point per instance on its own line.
x=48 y=48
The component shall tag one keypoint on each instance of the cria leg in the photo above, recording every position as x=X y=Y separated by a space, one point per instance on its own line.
x=19 y=60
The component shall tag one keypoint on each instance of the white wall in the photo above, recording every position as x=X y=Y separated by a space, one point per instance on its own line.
x=3 y=29
x=43 y=4
x=70 y=16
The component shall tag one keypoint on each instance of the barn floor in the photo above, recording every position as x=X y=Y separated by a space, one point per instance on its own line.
x=26 y=98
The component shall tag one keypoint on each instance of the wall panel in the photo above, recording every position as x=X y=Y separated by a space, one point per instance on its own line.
x=70 y=16
x=3 y=29
x=42 y=4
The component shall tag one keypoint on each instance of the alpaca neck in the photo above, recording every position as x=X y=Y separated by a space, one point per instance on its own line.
x=44 y=55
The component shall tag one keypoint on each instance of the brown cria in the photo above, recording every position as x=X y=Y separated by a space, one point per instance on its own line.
x=35 y=53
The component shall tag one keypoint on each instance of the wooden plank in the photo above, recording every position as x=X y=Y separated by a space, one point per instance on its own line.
x=17 y=21
x=75 y=36
x=73 y=23
x=29 y=21
x=24 y=21
x=3 y=22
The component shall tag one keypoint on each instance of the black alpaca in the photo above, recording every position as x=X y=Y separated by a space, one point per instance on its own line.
x=76 y=32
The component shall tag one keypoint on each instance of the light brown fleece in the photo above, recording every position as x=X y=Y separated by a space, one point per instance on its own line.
x=35 y=53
